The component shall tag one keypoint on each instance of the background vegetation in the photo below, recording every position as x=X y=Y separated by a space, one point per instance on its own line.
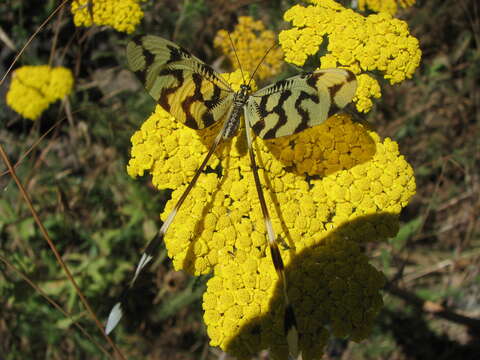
x=72 y=164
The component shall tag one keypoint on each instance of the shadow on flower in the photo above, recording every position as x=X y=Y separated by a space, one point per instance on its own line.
x=332 y=286
x=337 y=144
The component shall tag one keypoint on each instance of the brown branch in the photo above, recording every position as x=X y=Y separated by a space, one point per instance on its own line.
x=433 y=308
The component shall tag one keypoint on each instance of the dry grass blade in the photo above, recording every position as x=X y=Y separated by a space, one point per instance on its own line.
x=34 y=145
x=30 y=40
x=55 y=305
x=52 y=246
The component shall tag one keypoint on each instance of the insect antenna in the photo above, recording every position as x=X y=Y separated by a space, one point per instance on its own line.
x=152 y=248
x=236 y=56
x=260 y=62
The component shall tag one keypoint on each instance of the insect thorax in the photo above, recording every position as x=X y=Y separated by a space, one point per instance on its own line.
x=233 y=121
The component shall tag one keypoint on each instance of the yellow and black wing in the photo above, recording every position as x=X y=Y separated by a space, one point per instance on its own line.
x=182 y=84
x=299 y=102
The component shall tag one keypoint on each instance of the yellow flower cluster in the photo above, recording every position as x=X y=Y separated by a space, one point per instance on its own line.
x=377 y=42
x=122 y=15
x=34 y=88
x=329 y=189
x=251 y=42
x=389 y=6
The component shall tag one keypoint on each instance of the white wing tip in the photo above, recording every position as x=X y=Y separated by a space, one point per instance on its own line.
x=114 y=317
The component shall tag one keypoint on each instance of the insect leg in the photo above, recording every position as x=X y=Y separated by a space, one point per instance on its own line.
x=290 y=322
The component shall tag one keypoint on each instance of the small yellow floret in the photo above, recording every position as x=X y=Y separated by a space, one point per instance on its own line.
x=251 y=42
x=34 y=88
x=122 y=15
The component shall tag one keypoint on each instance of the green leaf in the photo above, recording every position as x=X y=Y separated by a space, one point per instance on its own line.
x=406 y=232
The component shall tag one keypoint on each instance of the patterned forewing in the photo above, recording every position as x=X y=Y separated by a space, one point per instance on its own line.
x=181 y=83
x=294 y=104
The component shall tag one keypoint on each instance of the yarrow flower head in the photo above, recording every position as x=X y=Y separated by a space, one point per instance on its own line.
x=388 y=6
x=34 y=88
x=377 y=42
x=330 y=188
x=251 y=41
x=122 y=15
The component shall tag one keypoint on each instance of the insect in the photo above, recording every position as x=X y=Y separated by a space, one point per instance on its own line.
x=197 y=96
